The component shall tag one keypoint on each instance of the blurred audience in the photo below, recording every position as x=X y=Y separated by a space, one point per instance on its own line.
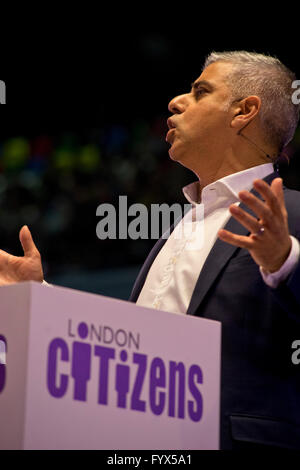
x=54 y=184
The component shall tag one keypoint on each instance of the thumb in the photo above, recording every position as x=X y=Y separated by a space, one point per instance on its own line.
x=27 y=242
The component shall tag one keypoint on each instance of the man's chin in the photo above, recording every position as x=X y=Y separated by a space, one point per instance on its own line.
x=180 y=157
x=174 y=153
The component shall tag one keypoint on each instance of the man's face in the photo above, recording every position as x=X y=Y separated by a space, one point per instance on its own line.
x=201 y=118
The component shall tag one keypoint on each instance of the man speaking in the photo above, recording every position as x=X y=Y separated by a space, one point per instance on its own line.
x=229 y=130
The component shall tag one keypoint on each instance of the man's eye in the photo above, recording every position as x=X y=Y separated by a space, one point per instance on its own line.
x=199 y=91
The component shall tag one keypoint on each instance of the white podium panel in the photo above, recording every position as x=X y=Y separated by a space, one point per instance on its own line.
x=83 y=371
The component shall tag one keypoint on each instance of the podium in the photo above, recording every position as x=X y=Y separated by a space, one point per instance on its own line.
x=83 y=371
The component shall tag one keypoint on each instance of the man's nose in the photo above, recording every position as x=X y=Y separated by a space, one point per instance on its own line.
x=178 y=104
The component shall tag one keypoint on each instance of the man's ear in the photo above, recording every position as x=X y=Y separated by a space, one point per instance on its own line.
x=245 y=111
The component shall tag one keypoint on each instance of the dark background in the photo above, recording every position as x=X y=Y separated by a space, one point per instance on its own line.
x=85 y=122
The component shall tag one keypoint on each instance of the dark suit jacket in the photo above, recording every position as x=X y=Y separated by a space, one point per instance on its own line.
x=260 y=386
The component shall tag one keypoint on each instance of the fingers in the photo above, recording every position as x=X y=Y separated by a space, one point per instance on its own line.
x=245 y=219
x=27 y=242
x=258 y=207
x=271 y=212
x=273 y=196
x=236 y=240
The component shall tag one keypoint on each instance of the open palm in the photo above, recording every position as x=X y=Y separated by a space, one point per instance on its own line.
x=21 y=268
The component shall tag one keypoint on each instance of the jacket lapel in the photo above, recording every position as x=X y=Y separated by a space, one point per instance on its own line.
x=219 y=255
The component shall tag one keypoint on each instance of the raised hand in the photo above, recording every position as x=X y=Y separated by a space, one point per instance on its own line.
x=269 y=242
x=15 y=269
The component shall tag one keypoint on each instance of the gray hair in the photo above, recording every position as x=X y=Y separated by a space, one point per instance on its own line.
x=266 y=77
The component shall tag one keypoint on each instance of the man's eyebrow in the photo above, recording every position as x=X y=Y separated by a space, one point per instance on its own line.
x=198 y=83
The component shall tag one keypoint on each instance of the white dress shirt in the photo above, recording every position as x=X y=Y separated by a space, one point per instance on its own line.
x=173 y=275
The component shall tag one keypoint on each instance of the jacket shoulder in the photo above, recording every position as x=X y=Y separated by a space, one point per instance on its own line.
x=292 y=202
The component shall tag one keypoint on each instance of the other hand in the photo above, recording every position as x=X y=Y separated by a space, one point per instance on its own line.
x=269 y=242
x=15 y=269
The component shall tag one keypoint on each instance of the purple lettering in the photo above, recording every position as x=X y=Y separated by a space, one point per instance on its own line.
x=121 y=342
x=81 y=369
x=106 y=330
x=174 y=369
x=122 y=381
x=55 y=345
x=157 y=379
x=105 y=354
x=195 y=374
x=3 y=351
x=70 y=329
x=136 y=403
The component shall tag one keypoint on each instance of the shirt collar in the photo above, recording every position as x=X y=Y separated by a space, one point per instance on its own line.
x=229 y=185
